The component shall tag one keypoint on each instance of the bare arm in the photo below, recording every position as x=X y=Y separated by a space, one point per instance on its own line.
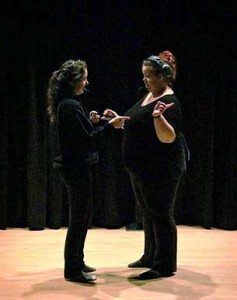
x=164 y=131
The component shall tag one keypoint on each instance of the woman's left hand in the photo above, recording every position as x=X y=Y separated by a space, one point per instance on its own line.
x=160 y=108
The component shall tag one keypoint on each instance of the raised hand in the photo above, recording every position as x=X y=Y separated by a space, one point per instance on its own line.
x=160 y=108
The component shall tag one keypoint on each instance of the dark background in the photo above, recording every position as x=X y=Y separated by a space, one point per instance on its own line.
x=114 y=37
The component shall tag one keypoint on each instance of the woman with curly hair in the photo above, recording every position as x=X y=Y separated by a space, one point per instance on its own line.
x=76 y=131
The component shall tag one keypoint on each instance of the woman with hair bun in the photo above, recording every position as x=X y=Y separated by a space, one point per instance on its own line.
x=154 y=156
x=76 y=131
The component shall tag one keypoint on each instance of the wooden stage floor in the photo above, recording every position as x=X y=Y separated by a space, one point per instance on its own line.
x=32 y=266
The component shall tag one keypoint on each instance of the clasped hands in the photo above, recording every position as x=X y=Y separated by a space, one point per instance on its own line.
x=111 y=116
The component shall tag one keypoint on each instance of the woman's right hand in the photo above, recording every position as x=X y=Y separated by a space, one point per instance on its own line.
x=109 y=114
x=114 y=119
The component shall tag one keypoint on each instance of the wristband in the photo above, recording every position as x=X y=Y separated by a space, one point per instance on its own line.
x=157 y=117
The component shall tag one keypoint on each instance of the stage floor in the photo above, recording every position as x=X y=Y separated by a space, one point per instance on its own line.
x=32 y=266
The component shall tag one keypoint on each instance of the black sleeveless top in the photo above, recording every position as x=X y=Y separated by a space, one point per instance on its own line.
x=142 y=150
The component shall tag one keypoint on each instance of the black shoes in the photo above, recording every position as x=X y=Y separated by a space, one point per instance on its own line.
x=139 y=264
x=88 y=269
x=82 y=277
x=152 y=274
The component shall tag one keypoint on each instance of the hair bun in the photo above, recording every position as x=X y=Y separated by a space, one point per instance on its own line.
x=170 y=59
x=167 y=56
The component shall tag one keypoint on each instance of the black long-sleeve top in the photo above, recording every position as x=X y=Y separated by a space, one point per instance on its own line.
x=76 y=135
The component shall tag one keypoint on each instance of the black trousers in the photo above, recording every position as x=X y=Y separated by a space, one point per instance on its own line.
x=79 y=187
x=155 y=196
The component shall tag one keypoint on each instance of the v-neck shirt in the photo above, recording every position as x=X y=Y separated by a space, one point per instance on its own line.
x=141 y=146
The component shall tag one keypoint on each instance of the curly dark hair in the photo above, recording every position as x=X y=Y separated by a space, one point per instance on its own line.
x=62 y=83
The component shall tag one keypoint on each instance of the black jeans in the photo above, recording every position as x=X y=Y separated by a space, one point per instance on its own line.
x=156 y=198
x=79 y=187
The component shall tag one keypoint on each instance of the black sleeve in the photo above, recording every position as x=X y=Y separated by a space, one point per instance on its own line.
x=79 y=121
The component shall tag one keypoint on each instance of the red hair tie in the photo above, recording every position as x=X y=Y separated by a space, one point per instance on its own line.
x=166 y=56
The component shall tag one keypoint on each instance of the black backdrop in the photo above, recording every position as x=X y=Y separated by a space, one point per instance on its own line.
x=114 y=37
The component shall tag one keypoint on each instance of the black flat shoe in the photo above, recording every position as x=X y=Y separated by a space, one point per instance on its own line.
x=88 y=269
x=82 y=277
x=139 y=264
x=152 y=274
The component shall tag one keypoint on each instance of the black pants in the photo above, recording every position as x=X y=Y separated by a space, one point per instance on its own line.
x=156 y=198
x=79 y=187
